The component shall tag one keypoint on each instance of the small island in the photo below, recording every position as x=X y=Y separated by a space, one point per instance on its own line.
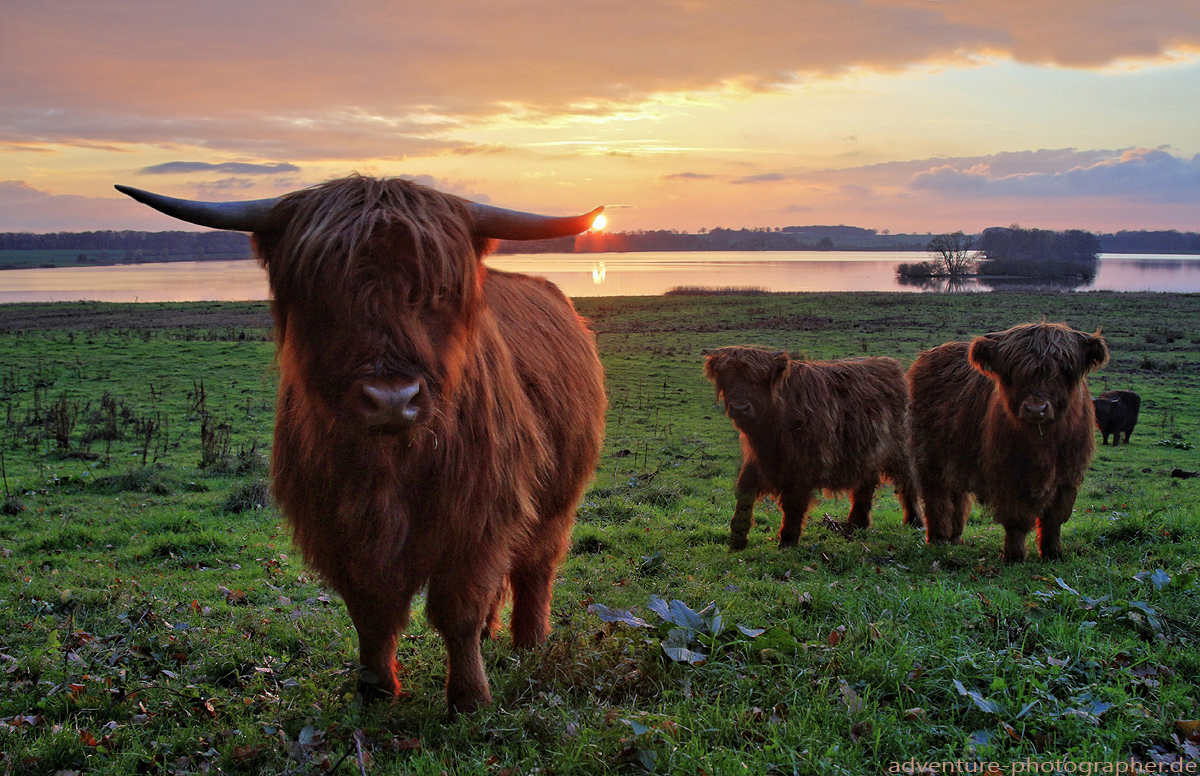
x=1008 y=252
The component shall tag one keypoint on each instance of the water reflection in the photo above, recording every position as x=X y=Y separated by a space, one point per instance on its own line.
x=1040 y=284
x=941 y=285
x=616 y=274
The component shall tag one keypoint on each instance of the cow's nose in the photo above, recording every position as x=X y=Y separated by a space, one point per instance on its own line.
x=390 y=405
x=741 y=408
x=1036 y=409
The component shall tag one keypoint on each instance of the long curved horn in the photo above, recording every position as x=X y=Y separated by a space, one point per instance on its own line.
x=502 y=224
x=249 y=216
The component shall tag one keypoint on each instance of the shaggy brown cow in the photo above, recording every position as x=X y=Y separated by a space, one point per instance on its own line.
x=837 y=425
x=437 y=420
x=1007 y=418
x=1116 y=414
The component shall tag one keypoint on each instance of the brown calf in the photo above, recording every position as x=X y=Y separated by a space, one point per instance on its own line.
x=1007 y=418
x=837 y=425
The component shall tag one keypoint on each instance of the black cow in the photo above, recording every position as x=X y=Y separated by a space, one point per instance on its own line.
x=1116 y=414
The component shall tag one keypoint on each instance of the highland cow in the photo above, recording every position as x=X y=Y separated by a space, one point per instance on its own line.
x=836 y=425
x=1116 y=414
x=1006 y=418
x=437 y=420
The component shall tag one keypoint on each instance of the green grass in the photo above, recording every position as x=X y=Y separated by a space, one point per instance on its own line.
x=154 y=617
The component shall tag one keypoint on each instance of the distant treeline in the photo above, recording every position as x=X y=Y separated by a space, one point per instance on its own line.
x=1037 y=252
x=151 y=245
x=194 y=243
x=788 y=238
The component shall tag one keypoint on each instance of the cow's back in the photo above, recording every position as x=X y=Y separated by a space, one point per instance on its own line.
x=843 y=418
x=554 y=355
x=949 y=403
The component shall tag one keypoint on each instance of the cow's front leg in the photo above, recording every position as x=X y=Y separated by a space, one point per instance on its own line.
x=532 y=579
x=1049 y=527
x=379 y=619
x=1017 y=521
x=794 y=503
x=458 y=605
x=749 y=484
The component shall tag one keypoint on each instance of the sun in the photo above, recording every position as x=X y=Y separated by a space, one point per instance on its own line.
x=599 y=223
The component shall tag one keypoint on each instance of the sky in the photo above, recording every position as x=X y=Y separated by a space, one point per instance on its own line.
x=899 y=115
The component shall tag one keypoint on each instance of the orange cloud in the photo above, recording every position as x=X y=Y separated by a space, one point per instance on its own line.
x=314 y=80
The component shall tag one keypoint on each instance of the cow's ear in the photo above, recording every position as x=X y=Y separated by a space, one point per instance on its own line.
x=710 y=365
x=983 y=353
x=1095 y=352
x=779 y=365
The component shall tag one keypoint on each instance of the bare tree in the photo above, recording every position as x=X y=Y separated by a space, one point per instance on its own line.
x=954 y=254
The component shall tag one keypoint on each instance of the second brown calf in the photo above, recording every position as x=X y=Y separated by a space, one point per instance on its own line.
x=836 y=425
x=1007 y=418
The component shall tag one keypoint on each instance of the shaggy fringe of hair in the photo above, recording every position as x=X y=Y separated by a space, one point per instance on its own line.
x=1033 y=349
x=341 y=223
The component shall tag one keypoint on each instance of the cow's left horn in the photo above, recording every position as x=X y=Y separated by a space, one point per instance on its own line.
x=249 y=216
x=502 y=224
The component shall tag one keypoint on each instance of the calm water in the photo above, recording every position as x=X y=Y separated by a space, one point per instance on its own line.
x=594 y=274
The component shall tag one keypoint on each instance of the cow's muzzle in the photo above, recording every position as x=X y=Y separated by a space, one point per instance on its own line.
x=740 y=410
x=1037 y=411
x=391 y=406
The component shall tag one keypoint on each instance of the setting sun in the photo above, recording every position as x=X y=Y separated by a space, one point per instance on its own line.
x=598 y=224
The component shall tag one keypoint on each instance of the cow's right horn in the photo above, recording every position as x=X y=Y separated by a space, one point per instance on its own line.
x=502 y=224
x=249 y=216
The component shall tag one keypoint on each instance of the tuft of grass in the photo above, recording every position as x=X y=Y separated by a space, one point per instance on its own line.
x=254 y=494
x=716 y=291
x=149 y=479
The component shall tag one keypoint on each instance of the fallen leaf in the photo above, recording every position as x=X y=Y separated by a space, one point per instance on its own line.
x=405 y=744
x=850 y=697
x=243 y=754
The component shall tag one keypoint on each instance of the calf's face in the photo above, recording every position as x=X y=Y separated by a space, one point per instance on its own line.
x=745 y=379
x=1038 y=368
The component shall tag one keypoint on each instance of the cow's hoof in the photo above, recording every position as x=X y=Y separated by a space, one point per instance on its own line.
x=372 y=688
x=467 y=703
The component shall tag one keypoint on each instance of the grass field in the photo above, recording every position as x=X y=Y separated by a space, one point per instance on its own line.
x=154 y=618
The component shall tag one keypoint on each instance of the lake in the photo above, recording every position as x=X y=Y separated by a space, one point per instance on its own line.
x=589 y=274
